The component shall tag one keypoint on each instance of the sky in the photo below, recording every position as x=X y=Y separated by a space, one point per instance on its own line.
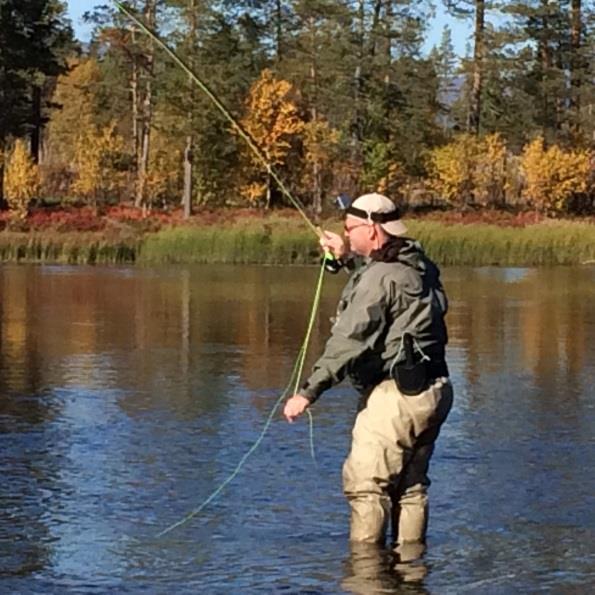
x=461 y=30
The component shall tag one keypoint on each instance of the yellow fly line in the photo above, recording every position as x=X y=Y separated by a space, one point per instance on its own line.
x=296 y=374
x=292 y=385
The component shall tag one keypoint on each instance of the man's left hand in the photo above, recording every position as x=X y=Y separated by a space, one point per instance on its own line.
x=294 y=407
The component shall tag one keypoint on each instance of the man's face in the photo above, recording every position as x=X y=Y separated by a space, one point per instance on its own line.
x=359 y=234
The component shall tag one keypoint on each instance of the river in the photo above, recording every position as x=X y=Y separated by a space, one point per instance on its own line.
x=127 y=395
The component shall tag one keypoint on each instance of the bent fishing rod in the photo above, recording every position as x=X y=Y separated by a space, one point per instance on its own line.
x=223 y=109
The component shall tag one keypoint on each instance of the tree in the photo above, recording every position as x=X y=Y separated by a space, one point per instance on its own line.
x=470 y=170
x=547 y=40
x=192 y=41
x=51 y=42
x=321 y=144
x=98 y=155
x=119 y=40
x=553 y=177
x=32 y=35
x=78 y=105
x=273 y=120
x=477 y=8
x=214 y=46
x=576 y=76
x=581 y=67
x=146 y=105
x=315 y=52
x=22 y=180
x=444 y=61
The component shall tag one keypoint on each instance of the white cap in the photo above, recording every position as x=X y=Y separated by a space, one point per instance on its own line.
x=377 y=203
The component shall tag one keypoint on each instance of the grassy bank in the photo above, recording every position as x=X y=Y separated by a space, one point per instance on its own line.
x=277 y=240
x=68 y=248
x=547 y=243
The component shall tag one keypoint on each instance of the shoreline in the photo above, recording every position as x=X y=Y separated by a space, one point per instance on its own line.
x=285 y=241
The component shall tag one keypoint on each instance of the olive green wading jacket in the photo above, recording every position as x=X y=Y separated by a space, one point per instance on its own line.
x=381 y=301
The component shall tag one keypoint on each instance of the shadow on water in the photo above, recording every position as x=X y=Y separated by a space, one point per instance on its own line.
x=127 y=395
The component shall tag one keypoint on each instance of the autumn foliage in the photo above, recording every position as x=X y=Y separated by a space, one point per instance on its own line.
x=554 y=177
x=97 y=153
x=273 y=121
x=92 y=161
x=21 y=182
x=481 y=171
x=470 y=170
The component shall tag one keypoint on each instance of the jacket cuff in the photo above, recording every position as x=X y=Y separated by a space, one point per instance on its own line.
x=308 y=392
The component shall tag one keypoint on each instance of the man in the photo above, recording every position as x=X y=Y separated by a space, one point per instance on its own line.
x=397 y=292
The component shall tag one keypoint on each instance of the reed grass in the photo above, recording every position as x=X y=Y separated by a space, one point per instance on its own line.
x=542 y=244
x=281 y=242
x=241 y=244
x=278 y=240
x=67 y=248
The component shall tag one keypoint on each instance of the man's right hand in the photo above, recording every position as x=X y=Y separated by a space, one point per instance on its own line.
x=333 y=242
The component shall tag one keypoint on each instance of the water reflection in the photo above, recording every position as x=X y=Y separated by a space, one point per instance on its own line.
x=373 y=569
x=127 y=395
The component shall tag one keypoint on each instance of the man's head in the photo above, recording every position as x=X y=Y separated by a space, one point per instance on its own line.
x=371 y=221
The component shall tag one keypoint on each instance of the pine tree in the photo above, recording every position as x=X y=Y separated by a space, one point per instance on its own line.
x=477 y=10
x=33 y=36
x=547 y=41
x=444 y=61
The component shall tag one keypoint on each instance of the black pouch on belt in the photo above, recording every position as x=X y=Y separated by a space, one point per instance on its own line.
x=412 y=376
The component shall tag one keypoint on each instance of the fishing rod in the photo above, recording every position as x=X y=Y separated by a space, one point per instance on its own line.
x=223 y=109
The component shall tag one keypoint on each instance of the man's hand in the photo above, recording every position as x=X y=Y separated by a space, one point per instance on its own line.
x=333 y=242
x=294 y=407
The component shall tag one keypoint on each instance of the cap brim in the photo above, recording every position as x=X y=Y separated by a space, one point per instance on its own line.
x=394 y=228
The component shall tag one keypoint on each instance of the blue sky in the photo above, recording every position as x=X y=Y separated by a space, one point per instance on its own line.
x=460 y=30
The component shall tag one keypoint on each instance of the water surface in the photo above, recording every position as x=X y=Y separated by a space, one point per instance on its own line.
x=127 y=395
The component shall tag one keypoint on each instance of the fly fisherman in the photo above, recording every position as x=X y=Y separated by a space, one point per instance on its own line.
x=388 y=338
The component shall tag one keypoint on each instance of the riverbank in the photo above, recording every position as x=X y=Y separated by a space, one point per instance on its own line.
x=278 y=239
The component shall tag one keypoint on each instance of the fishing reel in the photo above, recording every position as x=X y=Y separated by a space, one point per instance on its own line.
x=331 y=264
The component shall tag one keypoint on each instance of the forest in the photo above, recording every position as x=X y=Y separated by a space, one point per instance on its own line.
x=341 y=96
